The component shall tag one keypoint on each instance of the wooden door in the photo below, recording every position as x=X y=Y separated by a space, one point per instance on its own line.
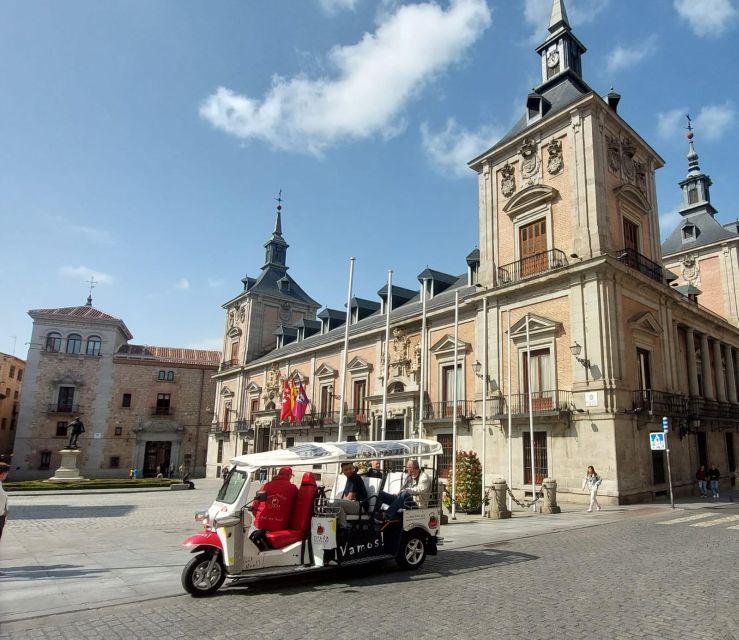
x=631 y=236
x=532 y=242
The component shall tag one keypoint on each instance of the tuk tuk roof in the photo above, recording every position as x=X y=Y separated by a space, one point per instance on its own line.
x=310 y=453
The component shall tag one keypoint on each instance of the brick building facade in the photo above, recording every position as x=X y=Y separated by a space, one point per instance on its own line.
x=11 y=379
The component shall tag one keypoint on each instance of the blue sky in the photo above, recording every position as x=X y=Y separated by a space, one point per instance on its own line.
x=145 y=142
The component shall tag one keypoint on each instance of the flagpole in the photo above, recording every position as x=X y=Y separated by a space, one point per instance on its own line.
x=346 y=350
x=484 y=396
x=422 y=372
x=454 y=413
x=510 y=418
x=531 y=413
x=386 y=368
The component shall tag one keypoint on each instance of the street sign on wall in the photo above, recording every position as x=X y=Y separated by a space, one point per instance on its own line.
x=657 y=441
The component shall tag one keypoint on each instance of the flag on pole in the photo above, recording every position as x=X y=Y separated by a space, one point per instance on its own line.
x=285 y=408
x=293 y=397
x=301 y=403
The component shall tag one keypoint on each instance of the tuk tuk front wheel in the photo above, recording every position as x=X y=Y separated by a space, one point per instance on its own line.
x=198 y=581
x=412 y=551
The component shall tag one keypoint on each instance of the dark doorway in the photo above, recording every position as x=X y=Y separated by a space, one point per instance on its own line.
x=730 y=455
x=700 y=439
x=658 y=467
x=540 y=456
x=262 y=439
x=156 y=457
x=394 y=430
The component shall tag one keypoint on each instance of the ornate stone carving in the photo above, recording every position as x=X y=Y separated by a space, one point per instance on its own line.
x=231 y=317
x=403 y=362
x=691 y=273
x=640 y=175
x=273 y=384
x=627 y=158
x=507 y=181
x=614 y=154
x=555 y=161
x=285 y=314
x=242 y=313
x=529 y=160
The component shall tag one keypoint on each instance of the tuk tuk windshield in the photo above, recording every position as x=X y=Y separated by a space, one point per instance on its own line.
x=232 y=486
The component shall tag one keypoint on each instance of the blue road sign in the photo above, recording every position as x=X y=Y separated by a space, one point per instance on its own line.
x=657 y=441
x=665 y=424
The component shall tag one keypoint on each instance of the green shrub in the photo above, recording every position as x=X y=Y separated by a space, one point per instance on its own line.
x=468 y=490
x=100 y=483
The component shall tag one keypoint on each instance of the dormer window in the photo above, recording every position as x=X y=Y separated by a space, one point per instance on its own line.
x=690 y=232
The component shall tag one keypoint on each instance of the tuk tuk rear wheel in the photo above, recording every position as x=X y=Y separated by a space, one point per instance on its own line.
x=412 y=551
x=198 y=581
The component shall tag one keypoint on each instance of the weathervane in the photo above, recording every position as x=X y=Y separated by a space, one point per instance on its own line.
x=689 y=127
x=92 y=282
x=279 y=200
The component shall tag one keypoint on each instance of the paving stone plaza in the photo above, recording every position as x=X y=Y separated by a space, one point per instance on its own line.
x=108 y=566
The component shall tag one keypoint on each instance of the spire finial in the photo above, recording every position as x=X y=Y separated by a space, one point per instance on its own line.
x=278 y=221
x=693 y=168
x=92 y=282
x=559 y=16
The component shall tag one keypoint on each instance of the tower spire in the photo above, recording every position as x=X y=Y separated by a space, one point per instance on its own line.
x=695 y=186
x=559 y=16
x=276 y=246
x=561 y=51
x=278 y=219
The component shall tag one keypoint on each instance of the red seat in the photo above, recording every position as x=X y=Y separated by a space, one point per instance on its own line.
x=300 y=517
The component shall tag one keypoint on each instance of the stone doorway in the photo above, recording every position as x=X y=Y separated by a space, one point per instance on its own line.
x=157 y=457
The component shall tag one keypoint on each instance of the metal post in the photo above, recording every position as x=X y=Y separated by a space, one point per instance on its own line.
x=531 y=413
x=665 y=423
x=454 y=409
x=342 y=390
x=386 y=368
x=421 y=373
x=484 y=395
x=510 y=418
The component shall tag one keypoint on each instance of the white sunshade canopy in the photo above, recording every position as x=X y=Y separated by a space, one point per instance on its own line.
x=335 y=452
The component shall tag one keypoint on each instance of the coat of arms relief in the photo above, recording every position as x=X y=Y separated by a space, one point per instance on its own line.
x=404 y=361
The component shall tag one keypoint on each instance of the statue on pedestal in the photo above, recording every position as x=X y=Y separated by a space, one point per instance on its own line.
x=77 y=428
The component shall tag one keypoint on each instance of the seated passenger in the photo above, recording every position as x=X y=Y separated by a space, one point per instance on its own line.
x=355 y=493
x=375 y=470
x=414 y=492
x=273 y=514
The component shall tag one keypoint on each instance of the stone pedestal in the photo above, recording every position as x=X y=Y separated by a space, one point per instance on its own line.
x=67 y=470
x=549 y=500
x=498 y=508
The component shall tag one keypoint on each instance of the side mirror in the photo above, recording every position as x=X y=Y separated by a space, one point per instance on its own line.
x=261 y=496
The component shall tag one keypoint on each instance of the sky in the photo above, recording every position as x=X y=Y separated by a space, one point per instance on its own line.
x=144 y=143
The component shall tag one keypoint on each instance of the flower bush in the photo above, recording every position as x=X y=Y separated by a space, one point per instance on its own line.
x=468 y=488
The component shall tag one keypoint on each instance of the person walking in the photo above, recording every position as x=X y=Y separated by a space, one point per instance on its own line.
x=591 y=483
x=701 y=477
x=4 y=468
x=713 y=478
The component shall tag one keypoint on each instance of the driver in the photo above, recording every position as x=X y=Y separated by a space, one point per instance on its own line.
x=273 y=514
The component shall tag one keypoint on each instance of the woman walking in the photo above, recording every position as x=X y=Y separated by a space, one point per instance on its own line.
x=591 y=483
x=701 y=476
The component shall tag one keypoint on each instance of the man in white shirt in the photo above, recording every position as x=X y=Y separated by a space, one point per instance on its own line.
x=415 y=491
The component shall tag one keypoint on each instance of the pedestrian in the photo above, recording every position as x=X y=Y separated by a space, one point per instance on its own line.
x=591 y=483
x=4 y=468
x=224 y=472
x=701 y=477
x=713 y=478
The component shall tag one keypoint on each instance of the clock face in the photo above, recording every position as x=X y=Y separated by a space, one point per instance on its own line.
x=553 y=59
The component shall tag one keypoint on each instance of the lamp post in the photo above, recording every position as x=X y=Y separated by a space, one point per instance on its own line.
x=575 y=350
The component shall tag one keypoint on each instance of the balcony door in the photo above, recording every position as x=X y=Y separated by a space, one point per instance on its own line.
x=359 y=404
x=65 y=403
x=631 y=237
x=447 y=389
x=540 y=379
x=532 y=245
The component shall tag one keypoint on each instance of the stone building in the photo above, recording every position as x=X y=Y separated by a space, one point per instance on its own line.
x=11 y=379
x=568 y=326
x=142 y=406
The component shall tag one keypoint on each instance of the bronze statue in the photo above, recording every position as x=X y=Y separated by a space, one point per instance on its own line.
x=77 y=428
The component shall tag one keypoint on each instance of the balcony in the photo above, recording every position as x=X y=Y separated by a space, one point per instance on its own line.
x=531 y=267
x=219 y=428
x=162 y=411
x=660 y=403
x=360 y=419
x=701 y=408
x=543 y=403
x=229 y=364
x=241 y=426
x=63 y=407
x=635 y=260
x=444 y=411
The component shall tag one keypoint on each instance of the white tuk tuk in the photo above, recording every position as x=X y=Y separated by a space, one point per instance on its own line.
x=322 y=531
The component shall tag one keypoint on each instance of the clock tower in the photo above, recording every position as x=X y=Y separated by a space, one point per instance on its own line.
x=561 y=51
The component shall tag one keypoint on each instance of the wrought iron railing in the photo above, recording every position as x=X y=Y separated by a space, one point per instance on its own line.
x=531 y=266
x=635 y=260
x=220 y=427
x=63 y=407
x=543 y=403
x=162 y=411
x=660 y=403
x=445 y=410
x=712 y=409
x=357 y=418
x=229 y=364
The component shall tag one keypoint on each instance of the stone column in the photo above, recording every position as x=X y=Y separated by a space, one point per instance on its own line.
x=549 y=505
x=706 y=369
x=498 y=507
x=720 y=378
x=692 y=365
x=730 y=373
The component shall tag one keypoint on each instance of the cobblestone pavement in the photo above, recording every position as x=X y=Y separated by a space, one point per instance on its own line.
x=651 y=573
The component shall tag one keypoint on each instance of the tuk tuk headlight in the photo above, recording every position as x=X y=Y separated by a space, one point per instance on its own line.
x=201 y=516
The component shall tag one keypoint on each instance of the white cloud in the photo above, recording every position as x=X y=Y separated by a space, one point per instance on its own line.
x=707 y=17
x=99 y=236
x=622 y=57
x=711 y=122
x=182 y=285
x=85 y=273
x=215 y=283
x=334 y=6
x=537 y=14
x=211 y=344
x=373 y=82
x=450 y=149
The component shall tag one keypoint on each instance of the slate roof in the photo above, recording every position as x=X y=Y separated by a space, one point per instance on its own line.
x=169 y=355
x=710 y=230
x=373 y=322
x=267 y=283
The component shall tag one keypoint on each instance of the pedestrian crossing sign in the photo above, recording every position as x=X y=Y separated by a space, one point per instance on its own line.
x=657 y=441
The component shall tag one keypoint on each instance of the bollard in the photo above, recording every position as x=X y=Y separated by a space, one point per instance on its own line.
x=549 y=505
x=498 y=508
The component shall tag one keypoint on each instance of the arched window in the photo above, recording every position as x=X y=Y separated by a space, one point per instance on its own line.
x=54 y=342
x=93 y=345
x=162 y=374
x=170 y=376
x=74 y=343
x=396 y=387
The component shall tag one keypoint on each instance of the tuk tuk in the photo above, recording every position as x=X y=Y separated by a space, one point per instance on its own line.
x=321 y=531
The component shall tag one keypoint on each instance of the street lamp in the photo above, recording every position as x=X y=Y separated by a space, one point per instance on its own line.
x=575 y=350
